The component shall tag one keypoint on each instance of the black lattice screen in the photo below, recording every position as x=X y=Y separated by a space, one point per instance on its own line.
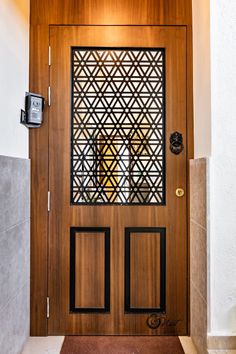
x=118 y=126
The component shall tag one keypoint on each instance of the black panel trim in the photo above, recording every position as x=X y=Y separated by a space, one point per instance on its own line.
x=162 y=232
x=73 y=233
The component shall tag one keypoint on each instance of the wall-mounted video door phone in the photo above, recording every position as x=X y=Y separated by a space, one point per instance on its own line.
x=32 y=117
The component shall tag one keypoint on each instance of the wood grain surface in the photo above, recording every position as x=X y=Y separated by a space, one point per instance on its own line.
x=98 y=12
x=111 y=12
x=145 y=270
x=89 y=270
x=117 y=218
x=38 y=152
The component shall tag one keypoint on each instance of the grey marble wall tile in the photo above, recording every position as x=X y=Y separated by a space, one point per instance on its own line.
x=14 y=261
x=222 y=342
x=220 y=351
x=198 y=194
x=14 y=191
x=14 y=323
x=198 y=321
x=198 y=253
x=14 y=253
x=198 y=259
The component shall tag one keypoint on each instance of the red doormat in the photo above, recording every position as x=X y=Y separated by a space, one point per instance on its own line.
x=121 y=345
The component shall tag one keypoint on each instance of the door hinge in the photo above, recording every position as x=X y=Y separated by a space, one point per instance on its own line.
x=49 y=56
x=48 y=307
x=49 y=201
x=49 y=96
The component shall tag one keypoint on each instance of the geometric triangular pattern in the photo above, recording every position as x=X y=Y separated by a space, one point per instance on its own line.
x=118 y=126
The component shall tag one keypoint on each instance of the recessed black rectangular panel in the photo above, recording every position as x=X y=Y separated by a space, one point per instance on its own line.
x=118 y=126
x=161 y=265
x=74 y=232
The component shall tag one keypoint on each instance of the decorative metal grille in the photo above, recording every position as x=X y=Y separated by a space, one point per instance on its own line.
x=118 y=126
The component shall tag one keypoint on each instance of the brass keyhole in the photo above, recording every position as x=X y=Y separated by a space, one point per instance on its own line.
x=179 y=192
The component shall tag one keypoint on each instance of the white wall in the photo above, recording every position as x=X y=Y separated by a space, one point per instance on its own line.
x=223 y=168
x=14 y=67
x=214 y=44
x=201 y=78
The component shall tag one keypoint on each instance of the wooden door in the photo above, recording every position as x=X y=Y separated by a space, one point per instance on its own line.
x=117 y=229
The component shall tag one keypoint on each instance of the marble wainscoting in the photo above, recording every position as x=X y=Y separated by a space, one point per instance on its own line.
x=14 y=253
x=221 y=344
x=198 y=254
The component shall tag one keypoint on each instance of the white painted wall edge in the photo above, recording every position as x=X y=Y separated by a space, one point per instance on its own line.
x=14 y=75
x=201 y=78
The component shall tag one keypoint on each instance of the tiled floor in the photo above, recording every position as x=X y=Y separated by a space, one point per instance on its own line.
x=52 y=345
x=43 y=345
x=222 y=351
x=187 y=345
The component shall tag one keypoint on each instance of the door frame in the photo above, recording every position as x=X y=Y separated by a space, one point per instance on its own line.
x=39 y=155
